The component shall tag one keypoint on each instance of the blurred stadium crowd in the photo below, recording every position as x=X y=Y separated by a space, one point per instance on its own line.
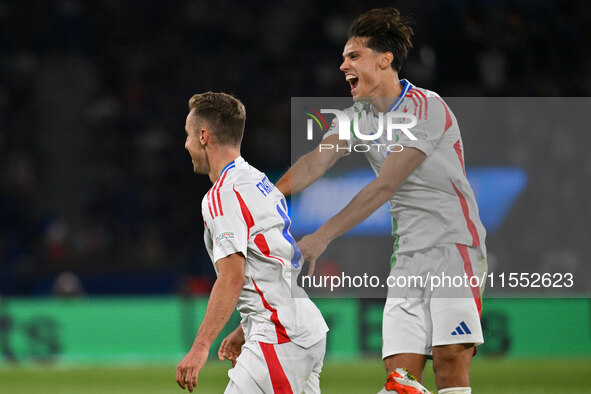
x=94 y=178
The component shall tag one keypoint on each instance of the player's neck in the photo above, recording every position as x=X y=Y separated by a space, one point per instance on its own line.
x=220 y=161
x=389 y=93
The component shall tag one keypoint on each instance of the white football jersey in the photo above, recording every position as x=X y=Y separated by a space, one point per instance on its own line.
x=435 y=204
x=245 y=213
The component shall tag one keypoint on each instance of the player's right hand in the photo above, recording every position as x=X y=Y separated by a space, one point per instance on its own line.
x=187 y=372
x=312 y=246
x=231 y=346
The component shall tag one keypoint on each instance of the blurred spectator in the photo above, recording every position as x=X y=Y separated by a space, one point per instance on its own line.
x=67 y=284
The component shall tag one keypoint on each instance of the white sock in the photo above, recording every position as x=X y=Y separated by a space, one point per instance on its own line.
x=456 y=390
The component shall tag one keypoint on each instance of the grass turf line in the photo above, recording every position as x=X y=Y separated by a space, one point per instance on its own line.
x=365 y=376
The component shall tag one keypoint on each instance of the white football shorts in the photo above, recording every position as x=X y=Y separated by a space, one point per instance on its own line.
x=441 y=308
x=265 y=368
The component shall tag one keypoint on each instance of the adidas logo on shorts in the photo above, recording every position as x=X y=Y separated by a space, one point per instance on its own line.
x=462 y=329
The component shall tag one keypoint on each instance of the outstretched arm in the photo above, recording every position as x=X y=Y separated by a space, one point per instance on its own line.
x=310 y=167
x=222 y=302
x=396 y=168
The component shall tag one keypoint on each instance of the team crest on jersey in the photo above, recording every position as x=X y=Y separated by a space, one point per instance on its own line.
x=222 y=236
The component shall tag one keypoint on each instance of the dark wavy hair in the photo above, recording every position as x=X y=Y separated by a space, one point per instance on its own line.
x=387 y=32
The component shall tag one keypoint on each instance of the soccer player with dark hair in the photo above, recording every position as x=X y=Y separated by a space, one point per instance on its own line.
x=435 y=219
x=280 y=343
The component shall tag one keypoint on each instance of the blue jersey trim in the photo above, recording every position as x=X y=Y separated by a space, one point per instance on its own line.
x=297 y=255
x=406 y=86
x=228 y=166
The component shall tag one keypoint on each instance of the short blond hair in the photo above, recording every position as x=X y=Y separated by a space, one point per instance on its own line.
x=224 y=113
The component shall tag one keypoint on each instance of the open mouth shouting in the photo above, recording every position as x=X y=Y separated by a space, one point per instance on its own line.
x=353 y=81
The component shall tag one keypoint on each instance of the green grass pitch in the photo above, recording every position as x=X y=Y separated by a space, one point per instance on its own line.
x=489 y=376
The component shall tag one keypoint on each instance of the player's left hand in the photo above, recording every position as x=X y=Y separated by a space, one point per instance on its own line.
x=231 y=346
x=312 y=246
x=188 y=369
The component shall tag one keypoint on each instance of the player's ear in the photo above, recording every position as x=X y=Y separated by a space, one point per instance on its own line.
x=386 y=59
x=203 y=136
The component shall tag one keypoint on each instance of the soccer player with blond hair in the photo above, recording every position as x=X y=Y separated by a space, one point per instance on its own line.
x=280 y=343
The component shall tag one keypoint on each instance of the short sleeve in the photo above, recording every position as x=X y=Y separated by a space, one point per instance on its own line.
x=333 y=129
x=433 y=118
x=229 y=229
x=355 y=110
